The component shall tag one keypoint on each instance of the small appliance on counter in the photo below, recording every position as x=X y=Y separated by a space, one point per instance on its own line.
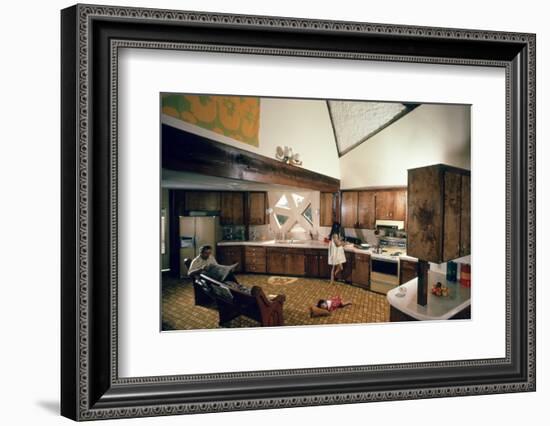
x=353 y=240
x=465 y=275
x=451 y=270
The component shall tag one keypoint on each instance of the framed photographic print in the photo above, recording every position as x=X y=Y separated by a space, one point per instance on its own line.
x=264 y=212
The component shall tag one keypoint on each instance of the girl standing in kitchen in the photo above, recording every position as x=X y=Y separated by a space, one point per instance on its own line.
x=336 y=255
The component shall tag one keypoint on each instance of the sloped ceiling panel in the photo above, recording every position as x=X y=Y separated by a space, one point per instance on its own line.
x=355 y=121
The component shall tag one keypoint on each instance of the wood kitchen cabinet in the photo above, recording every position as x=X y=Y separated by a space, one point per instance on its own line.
x=255 y=259
x=438 y=213
x=329 y=211
x=360 y=271
x=312 y=263
x=295 y=262
x=202 y=200
x=366 y=209
x=232 y=208
x=316 y=263
x=286 y=261
x=347 y=273
x=324 y=267
x=391 y=204
x=257 y=206
x=229 y=255
x=349 y=209
x=407 y=271
x=361 y=209
x=384 y=205
x=276 y=261
x=465 y=216
x=400 y=204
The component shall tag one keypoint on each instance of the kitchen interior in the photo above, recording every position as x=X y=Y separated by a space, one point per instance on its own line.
x=265 y=195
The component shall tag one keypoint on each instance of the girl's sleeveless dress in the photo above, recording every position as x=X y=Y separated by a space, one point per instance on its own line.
x=336 y=254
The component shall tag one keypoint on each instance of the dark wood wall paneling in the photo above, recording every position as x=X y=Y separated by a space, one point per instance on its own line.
x=184 y=151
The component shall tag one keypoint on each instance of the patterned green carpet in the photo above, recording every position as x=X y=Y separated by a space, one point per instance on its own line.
x=180 y=313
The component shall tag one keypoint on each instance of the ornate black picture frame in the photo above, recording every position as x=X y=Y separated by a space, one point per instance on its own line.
x=91 y=36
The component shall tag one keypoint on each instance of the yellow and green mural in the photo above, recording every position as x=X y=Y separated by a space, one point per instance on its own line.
x=237 y=117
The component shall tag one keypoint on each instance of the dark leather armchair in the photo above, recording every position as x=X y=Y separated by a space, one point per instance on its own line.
x=203 y=295
x=233 y=301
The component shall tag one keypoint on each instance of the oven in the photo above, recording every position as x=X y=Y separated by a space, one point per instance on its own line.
x=384 y=274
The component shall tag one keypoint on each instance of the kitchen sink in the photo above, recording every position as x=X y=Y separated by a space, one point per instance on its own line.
x=269 y=242
x=290 y=241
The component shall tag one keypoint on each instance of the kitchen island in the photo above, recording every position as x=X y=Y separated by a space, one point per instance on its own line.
x=403 y=305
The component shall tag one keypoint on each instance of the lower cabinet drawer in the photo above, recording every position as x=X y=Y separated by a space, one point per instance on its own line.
x=253 y=267
x=255 y=250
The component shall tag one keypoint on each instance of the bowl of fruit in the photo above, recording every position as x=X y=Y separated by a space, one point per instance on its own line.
x=440 y=290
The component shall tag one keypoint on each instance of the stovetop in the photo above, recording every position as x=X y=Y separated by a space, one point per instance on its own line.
x=392 y=247
x=392 y=251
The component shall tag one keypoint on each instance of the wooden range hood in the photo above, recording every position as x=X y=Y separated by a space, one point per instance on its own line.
x=185 y=151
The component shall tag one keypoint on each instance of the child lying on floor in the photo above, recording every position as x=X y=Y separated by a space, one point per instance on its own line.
x=332 y=304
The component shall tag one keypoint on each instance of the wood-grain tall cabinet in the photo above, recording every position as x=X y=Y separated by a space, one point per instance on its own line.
x=438 y=213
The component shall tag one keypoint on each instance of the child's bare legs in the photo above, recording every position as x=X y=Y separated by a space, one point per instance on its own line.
x=335 y=271
x=339 y=270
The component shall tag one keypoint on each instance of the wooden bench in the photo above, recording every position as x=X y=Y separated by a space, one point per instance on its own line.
x=232 y=300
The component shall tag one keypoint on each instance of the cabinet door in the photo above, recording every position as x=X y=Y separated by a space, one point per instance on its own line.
x=256 y=208
x=424 y=214
x=385 y=201
x=365 y=209
x=312 y=265
x=202 y=200
x=295 y=262
x=326 y=211
x=465 y=217
x=400 y=205
x=407 y=271
x=349 y=209
x=451 y=217
x=229 y=255
x=237 y=208
x=226 y=208
x=276 y=261
x=348 y=268
x=192 y=200
x=232 y=208
x=222 y=254
x=361 y=270
x=324 y=267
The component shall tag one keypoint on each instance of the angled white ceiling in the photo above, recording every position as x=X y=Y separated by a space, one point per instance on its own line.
x=356 y=121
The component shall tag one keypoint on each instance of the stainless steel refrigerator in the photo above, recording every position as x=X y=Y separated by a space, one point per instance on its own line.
x=194 y=232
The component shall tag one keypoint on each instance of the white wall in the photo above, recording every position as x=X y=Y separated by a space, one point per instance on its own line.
x=427 y=135
x=304 y=125
x=30 y=330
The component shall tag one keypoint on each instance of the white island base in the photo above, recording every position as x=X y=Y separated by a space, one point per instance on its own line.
x=456 y=305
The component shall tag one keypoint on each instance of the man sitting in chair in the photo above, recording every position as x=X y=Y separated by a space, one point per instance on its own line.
x=205 y=263
x=202 y=261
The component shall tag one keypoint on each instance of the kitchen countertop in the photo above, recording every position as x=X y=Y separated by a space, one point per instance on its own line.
x=438 y=307
x=312 y=244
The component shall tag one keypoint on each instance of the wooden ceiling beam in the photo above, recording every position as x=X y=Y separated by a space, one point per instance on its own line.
x=184 y=151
